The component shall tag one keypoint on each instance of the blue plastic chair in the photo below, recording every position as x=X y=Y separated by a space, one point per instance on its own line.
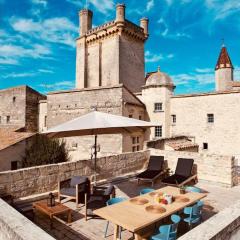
x=192 y=189
x=146 y=190
x=168 y=232
x=194 y=214
x=111 y=202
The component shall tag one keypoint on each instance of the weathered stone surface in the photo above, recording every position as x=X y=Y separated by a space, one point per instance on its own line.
x=40 y=179
x=209 y=167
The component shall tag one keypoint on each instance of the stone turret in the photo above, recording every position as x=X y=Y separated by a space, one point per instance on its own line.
x=120 y=13
x=144 y=25
x=85 y=21
x=224 y=71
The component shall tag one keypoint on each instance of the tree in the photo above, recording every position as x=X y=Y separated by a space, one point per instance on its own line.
x=43 y=150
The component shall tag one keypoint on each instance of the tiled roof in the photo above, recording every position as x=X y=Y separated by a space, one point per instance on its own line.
x=9 y=137
x=224 y=60
x=181 y=144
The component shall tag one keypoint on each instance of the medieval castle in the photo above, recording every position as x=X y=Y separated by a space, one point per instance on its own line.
x=110 y=76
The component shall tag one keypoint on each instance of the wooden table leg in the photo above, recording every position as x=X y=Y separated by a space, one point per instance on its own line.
x=116 y=232
x=69 y=216
x=137 y=237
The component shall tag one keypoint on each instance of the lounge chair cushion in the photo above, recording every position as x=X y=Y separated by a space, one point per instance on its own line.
x=77 y=180
x=156 y=163
x=148 y=174
x=68 y=191
x=184 y=167
x=174 y=179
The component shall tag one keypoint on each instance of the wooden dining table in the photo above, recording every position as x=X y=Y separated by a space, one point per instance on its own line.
x=142 y=212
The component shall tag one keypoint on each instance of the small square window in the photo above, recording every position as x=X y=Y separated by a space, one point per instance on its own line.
x=158 y=131
x=210 y=118
x=130 y=116
x=205 y=146
x=174 y=118
x=158 y=107
x=8 y=119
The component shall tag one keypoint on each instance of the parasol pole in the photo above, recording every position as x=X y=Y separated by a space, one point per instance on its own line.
x=95 y=161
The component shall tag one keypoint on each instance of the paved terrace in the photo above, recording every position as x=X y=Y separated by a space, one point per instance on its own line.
x=218 y=198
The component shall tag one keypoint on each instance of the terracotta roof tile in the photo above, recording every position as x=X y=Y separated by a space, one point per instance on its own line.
x=9 y=137
x=182 y=144
x=224 y=60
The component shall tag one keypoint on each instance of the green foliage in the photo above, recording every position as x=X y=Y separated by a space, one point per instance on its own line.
x=43 y=150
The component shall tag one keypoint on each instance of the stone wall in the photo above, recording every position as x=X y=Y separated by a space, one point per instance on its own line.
x=14 y=226
x=222 y=136
x=209 y=167
x=32 y=109
x=67 y=105
x=28 y=181
x=20 y=104
x=223 y=226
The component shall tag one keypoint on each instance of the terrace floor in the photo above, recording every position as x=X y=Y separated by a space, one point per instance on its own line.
x=218 y=198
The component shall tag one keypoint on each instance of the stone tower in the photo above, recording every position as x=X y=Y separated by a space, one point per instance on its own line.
x=224 y=71
x=112 y=53
x=156 y=95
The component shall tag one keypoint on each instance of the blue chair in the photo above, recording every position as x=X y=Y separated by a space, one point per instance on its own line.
x=194 y=214
x=146 y=190
x=192 y=189
x=111 y=202
x=168 y=232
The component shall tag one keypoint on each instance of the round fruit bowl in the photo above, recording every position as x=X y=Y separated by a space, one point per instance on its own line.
x=155 y=209
x=181 y=199
x=139 y=201
x=154 y=194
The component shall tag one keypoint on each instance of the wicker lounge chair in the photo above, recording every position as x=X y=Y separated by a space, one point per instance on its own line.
x=154 y=170
x=183 y=173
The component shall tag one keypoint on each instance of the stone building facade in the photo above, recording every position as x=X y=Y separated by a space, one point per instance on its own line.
x=19 y=108
x=110 y=77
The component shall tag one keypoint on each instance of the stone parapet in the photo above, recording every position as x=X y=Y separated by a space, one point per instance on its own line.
x=224 y=225
x=14 y=226
x=28 y=181
x=214 y=168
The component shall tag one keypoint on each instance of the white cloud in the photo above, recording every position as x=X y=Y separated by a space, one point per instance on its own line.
x=11 y=54
x=103 y=6
x=57 y=30
x=196 y=78
x=150 y=5
x=151 y=57
x=20 y=75
x=45 y=71
x=204 y=70
x=58 y=85
x=40 y=2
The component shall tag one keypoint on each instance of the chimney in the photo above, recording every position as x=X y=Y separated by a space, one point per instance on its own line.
x=85 y=19
x=144 y=25
x=120 y=13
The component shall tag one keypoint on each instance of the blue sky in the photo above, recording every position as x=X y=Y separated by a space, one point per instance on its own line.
x=37 y=45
